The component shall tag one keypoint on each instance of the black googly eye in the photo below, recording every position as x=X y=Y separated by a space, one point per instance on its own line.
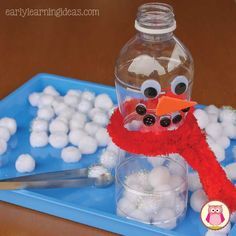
x=176 y=119
x=150 y=88
x=149 y=120
x=179 y=85
x=165 y=121
x=141 y=109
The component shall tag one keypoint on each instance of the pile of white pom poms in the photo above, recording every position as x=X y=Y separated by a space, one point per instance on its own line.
x=220 y=127
x=8 y=128
x=75 y=123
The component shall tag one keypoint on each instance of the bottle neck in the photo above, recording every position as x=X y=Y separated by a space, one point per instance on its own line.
x=155 y=22
x=155 y=37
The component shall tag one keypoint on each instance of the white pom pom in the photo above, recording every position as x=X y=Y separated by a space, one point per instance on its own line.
x=89 y=96
x=71 y=100
x=4 y=133
x=67 y=113
x=194 y=182
x=197 y=200
x=91 y=128
x=139 y=215
x=149 y=205
x=231 y=171
x=58 y=126
x=134 y=197
x=76 y=135
x=215 y=130
x=176 y=169
x=78 y=121
x=93 y=111
x=134 y=125
x=3 y=146
x=179 y=206
x=132 y=179
x=45 y=100
x=142 y=179
x=57 y=100
x=59 y=107
x=34 y=99
x=45 y=113
x=165 y=218
x=58 y=139
x=125 y=207
x=156 y=161
x=25 y=163
x=218 y=151
x=159 y=176
x=84 y=106
x=223 y=141
x=74 y=92
x=38 y=139
x=101 y=118
x=80 y=116
x=102 y=137
x=227 y=116
x=88 y=145
x=113 y=148
x=212 y=109
x=70 y=154
x=176 y=182
x=10 y=124
x=39 y=125
x=108 y=159
x=229 y=130
x=213 y=118
x=103 y=101
x=202 y=118
x=165 y=189
x=97 y=171
x=51 y=91
x=63 y=119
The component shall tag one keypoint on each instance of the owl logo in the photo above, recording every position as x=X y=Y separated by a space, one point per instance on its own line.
x=215 y=215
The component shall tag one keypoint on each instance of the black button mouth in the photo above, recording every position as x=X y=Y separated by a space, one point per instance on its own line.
x=165 y=122
x=149 y=120
x=141 y=109
x=176 y=119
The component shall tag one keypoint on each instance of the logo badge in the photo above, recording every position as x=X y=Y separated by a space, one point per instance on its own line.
x=215 y=215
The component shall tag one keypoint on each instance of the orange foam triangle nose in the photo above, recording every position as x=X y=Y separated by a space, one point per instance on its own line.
x=169 y=105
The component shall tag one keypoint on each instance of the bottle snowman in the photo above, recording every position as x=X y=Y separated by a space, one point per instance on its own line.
x=154 y=77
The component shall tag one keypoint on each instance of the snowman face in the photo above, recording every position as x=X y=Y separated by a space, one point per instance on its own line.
x=150 y=110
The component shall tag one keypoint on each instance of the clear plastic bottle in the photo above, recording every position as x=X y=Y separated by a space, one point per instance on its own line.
x=152 y=64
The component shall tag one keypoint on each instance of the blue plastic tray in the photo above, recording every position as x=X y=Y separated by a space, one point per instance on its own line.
x=90 y=206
